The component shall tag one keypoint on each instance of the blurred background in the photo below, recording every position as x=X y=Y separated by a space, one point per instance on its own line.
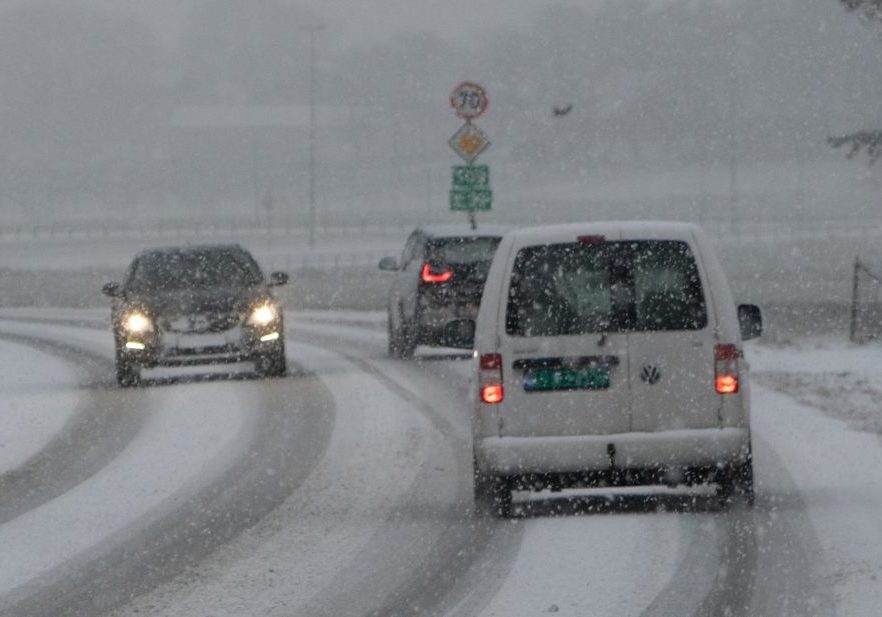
x=127 y=123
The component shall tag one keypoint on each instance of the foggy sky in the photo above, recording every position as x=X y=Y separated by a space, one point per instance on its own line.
x=89 y=102
x=348 y=21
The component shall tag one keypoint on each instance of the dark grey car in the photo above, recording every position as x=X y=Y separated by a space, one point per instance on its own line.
x=196 y=305
x=439 y=279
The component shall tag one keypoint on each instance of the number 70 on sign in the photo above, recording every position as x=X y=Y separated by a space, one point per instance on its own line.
x=469 y=100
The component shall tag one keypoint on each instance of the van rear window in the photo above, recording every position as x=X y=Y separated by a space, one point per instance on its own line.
x=647 y=285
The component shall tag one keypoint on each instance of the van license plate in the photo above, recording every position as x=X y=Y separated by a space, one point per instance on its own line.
x=550 y=379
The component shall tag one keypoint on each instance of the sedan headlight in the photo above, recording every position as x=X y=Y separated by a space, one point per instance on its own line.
x=263 y=315
x=137 y=322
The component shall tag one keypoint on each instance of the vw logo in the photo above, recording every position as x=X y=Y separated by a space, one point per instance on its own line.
x=650 y=374
x=199 y=323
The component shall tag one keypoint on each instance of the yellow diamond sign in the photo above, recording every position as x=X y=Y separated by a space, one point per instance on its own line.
x=469 y=142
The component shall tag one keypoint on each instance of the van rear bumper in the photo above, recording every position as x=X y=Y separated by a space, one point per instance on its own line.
x=586 y=453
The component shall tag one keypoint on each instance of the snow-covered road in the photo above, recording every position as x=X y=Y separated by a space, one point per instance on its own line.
x=345 y=488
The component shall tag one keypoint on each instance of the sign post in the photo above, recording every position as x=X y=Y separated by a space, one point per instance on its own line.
x=470 y=192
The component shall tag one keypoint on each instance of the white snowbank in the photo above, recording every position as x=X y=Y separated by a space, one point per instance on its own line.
x=837 y=469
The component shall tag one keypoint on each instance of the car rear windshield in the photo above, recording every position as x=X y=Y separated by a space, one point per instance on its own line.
x=469 y=250
x=203 y=269
x=562 y=289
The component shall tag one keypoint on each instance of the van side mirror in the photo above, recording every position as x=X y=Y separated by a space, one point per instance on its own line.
x=390 y=264
x=112 y=290
x=278 y=278
x=750 y=320
x=460 y=334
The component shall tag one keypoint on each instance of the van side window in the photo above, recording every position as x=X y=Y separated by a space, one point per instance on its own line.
x=562 y=289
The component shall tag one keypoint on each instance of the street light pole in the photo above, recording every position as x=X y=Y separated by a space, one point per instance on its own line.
x=312 y=132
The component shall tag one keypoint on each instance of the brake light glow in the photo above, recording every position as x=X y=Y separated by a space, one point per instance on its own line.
x=430 y=276
x=492 y=394
x=727 y=384
x=490 y=378
x=726 y=368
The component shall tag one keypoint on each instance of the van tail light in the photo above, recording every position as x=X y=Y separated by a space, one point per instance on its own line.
x=490 y=378
x=430 y=275
x=726 y=368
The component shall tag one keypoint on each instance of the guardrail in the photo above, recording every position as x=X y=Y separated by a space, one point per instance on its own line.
x=188 y=229
x=236 y=228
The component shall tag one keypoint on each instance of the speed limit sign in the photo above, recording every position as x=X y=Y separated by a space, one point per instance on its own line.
x=469 y=100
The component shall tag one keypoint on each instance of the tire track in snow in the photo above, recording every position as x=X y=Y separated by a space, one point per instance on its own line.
x=102 y=425
x=435 y=574
x=290 y=437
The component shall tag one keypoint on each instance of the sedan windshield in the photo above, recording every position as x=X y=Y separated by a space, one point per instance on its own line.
x=463 y=250
x=178 y=270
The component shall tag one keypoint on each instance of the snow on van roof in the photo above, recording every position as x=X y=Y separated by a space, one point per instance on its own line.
x=453 y=230
x=616 y=230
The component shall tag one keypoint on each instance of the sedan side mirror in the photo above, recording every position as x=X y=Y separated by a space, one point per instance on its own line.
x=750 y=320
x=390 y=264
x=460 y=334
x=112 y=290
x=278 y=278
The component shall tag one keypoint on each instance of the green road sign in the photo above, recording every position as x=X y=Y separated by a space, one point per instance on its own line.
x=471 y=200
x=471 y=176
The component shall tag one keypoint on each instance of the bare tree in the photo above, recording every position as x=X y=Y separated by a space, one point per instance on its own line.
x=870 y=14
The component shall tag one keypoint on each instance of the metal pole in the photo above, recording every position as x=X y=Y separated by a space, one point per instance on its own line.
x=854 y=300
x=312 y=136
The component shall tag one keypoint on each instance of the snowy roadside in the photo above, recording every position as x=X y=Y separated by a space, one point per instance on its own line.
x=39 y=397
x=817 y=404
x=90 y=316
x=179 y=446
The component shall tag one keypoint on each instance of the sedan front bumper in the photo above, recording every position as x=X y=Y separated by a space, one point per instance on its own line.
x=238 y=344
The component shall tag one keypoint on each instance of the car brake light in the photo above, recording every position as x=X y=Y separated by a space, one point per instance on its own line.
x=490 y=378
x=430 y=276
x=726 y=368
x=492 y=394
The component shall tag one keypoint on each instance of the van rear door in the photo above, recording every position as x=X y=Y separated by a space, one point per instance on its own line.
x=565 y=359
x=671 y=344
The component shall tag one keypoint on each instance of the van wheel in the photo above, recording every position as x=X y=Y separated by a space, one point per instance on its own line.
x=492 y=495
x=736 y=484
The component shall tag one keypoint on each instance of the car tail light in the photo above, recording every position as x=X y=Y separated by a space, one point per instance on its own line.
x=430 y=275
x=490 y=378
x=592 y=239
x=726 y=368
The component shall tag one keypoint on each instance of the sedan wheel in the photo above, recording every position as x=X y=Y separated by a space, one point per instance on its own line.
x=127 y=375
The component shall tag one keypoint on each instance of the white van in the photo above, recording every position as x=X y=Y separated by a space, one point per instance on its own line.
x=610 y=353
